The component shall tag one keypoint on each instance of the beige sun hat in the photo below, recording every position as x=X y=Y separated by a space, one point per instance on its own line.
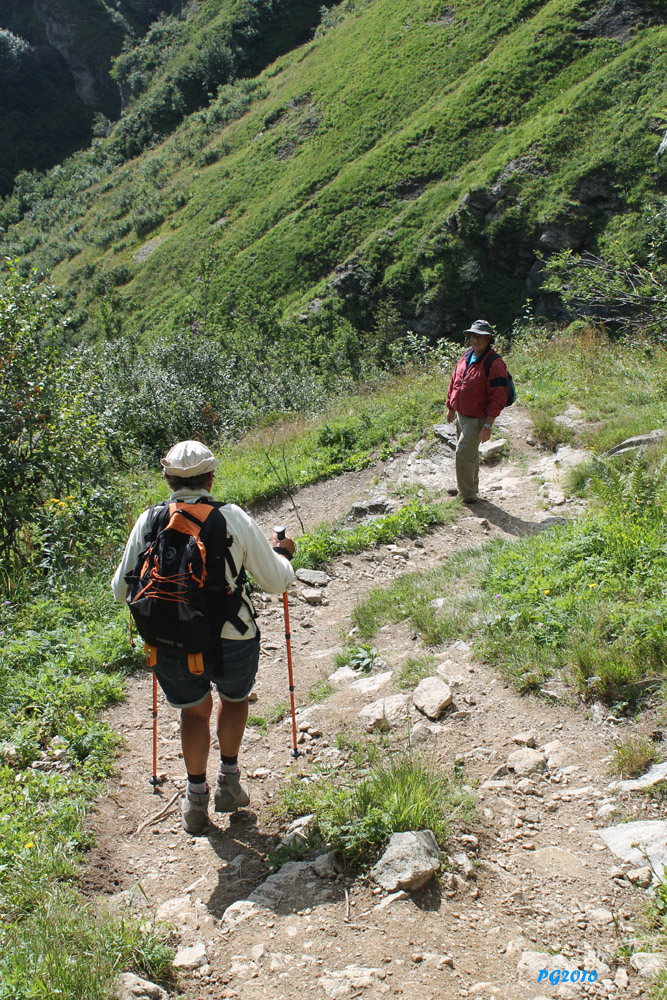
x=187 y=459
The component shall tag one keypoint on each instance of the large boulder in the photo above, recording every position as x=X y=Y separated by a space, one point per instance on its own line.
x=409 y=862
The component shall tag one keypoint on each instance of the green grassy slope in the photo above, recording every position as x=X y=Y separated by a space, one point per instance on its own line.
x=419 y=151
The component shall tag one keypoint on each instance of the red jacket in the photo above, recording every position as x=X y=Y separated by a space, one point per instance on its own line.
x=473 y=394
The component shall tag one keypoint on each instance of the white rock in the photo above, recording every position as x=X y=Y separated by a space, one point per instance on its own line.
x=526 y=761
x=344 y=675
x=311 y=595
x=175 y=909
x=655 y=774
x=385 y=714
x=525 y=739
x=432 y=696
x=639 y=842
x=647 y=963
x=313 y=577
x=621 y=979
x=134 y=988
x=492 y=449
x=368 y=685
x=409 y=862
x=351 y=979
x=241 y=910
x=191 y=958
x=532 y=962
x=593 y=961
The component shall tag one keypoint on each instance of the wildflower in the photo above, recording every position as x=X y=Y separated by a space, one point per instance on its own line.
x=547 y=592
x=592 y=585
x=29 y=844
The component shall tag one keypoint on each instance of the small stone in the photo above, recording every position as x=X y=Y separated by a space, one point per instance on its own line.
x=409 y=862
x=526 y=739
x=432 y=696
x=526 y=761
x=601 y=917
x=311 y=595
x=621 y=979
x=640 y=876
x=191 y=958
x=135 y=988
x=385 y=714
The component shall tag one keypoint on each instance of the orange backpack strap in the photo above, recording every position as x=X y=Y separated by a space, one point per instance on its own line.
x=196 y=663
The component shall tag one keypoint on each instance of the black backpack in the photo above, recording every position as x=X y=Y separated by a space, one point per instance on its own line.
x=489 y=358
x=178 y=593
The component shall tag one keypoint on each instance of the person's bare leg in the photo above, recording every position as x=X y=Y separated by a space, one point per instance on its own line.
x=196 y=736
x=231 y=721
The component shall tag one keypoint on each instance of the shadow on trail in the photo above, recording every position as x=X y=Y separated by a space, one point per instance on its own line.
x=511 y=524
x=244 y=871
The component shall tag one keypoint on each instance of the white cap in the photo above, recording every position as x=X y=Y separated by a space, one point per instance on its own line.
x=187 y=459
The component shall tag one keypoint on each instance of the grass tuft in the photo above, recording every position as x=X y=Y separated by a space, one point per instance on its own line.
x=395 y=795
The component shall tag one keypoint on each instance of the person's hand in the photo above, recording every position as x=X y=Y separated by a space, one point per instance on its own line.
x=284 y=543
x=484 y=434
x=451 y=416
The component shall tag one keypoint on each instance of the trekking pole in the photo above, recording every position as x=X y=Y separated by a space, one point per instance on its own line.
x=280 y=534
x=150 y=662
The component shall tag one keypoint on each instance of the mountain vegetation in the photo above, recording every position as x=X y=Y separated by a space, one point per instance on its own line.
x=285 y=212
x=423 y=158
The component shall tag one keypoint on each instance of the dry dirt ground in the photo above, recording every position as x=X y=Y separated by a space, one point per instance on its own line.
x=541 y=878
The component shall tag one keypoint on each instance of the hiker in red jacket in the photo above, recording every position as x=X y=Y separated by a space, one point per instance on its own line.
x=478 y=390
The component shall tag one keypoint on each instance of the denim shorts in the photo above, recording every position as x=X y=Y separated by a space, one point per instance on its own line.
x=231 y=666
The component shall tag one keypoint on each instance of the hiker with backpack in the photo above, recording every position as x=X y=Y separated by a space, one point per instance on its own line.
x=479 y=388
x=183 y=577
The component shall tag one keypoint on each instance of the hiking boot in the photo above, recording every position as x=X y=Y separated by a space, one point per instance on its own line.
x=470 y=500
x=453 y=491
x=194 y=807
x=230 y=794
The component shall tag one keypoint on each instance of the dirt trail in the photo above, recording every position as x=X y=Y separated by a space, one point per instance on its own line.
x=535 y=874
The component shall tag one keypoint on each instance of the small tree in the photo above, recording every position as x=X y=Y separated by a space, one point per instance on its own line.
x=51 y=436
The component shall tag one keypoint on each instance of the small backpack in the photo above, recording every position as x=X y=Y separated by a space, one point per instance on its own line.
x=178 y=593
x=489 y=358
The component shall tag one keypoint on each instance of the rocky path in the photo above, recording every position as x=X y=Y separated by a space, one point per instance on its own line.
x=531 y=888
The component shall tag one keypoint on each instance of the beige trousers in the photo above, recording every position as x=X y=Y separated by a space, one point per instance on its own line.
x=468 y=430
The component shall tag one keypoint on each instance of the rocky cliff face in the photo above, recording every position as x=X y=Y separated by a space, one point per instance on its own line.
x=87 y=36
x=57 y=74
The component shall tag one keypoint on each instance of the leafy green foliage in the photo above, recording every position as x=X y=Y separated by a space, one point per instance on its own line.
x=625 y=289
x=361 y=658
x=44 y=393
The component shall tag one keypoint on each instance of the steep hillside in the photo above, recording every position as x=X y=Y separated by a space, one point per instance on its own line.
x=422 y=156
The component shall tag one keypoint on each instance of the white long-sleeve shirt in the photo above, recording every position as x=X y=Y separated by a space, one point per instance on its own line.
x=249 y=548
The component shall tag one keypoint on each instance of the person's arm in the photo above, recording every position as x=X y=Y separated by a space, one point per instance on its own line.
x=130 y=555
x=451 y=397
x=272 y=571
x=498 y=390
